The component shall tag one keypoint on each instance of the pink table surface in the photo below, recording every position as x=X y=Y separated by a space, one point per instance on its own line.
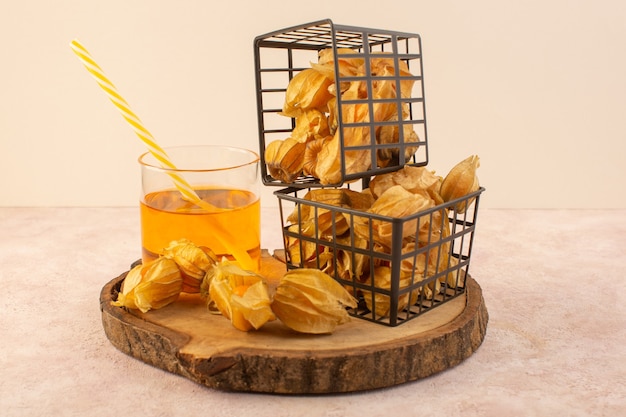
x=553 y=282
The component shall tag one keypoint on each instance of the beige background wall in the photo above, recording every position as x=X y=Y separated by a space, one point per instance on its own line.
x=536 y=88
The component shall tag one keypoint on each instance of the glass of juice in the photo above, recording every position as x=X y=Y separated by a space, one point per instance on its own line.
x=227 y=178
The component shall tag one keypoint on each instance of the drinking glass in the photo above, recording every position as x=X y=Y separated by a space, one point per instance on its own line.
x=225 y=177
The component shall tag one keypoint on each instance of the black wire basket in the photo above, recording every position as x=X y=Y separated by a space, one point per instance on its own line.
x=398 y=268
x=390 y=130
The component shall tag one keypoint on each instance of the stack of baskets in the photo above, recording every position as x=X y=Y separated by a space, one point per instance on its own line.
x=425 y=256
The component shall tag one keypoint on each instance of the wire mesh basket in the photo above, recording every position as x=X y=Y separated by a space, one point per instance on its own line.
x=365 y=90
x=375 y=106
x=398 y=268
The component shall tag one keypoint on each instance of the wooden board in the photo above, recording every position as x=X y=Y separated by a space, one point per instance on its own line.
x=185 y=339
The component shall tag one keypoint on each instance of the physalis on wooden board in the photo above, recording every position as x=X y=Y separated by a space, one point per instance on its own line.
x=239 y=295
x=192 y=260
x=311 y=301
x=307 y=301
x=151 y=286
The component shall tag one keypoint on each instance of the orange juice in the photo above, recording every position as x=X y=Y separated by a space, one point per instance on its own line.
x=165 y=217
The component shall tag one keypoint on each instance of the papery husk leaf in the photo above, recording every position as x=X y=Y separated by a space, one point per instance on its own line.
x=125 y=298
x=386 y=88
x=339 y=197
x=311 y=154
x=310 y=125
x=246 y=312
x=322 y=302
x=395 y=202
x=193 y=262
x=360 y=200
x=333 y=119
x=456 y=277
x=327 y=165
x=152 y=296
x=460 y=181
x=219 y=293
x=308 y=89
x=252 y=310
x=415 y=264
x=300 y=251
x=347 y=65
x=352 y=265
x=300 y=315
x=328 y=223
x=383 y=89
x=231 y=272
x=331 y=224
x=131 y=280
x=432 y=227
x=305 y=212
x=423 y=265
x=382 y=280
x=385 y=67
x=322 y=261
x=431 y=289
x=390 y=134
x=413 y=179
x=314 y=280
x=285 y=159
x=160 y=283
x=310 y=301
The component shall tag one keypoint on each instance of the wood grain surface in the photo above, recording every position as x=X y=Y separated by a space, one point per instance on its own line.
x=186 y=339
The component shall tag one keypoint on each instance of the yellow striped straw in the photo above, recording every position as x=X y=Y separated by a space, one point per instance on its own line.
x=138 y=127
x=146 y=137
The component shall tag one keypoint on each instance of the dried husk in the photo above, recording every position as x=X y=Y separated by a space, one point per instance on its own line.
x=460 y=181
x=412 y=179
x=431 y=289
x=418 y=264
x=310 y=125
x=327 y=166
x=304 y=212
x=333 y=120
x=300 y=251
x=385 y=67
x=359 y=200
x=299 y=314
x=381 y=304
x=318 y=287
x=424 y=265
x=311 y=98
x=311 y=154
x=151 y=286
x=239 y=295
x=395 y=202
x=390 y=134
x=285 y=159
x=311 y=301
x=308 y=89
x=192 y=260
x=347 y=65
x=456 y=277
x=385 y=87
x=328 y=223
x=352 y=265
x=307 y=254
